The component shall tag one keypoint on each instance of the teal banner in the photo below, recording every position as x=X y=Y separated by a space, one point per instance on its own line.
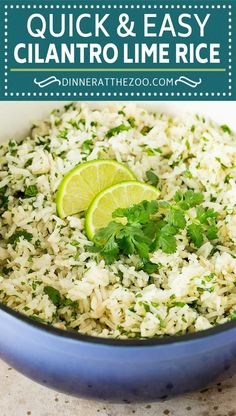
x=118 y=50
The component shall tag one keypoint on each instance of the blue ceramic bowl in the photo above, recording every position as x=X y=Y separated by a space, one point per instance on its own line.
x=113 y=369
x=116 y=370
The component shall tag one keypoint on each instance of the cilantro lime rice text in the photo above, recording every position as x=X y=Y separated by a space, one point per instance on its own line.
x=50 y=271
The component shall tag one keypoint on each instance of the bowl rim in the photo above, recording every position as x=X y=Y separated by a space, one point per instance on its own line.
x=130 y=342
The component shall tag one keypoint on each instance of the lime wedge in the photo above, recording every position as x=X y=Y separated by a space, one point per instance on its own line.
x=80 y=186
x=121 y=195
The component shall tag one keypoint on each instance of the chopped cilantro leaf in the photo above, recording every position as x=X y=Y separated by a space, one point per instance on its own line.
x=30 y=191
x=149 y=151
x=74 y=243
x=69 y=302
x=74 y=124
x=116 y=130
x=146 y=306
x=3 y=198
x=14 y=238
x=63 y=134
x=28 y=163
x=57 y=122
x=131 y=121
x=187 y=174
x=56 y=298
x=222 y=164
x=180 y=304
x=145 y=130
x=227 y=178
x=53 y=294
x=209 y=277
x=149 y=267
x=87 y=146
x=225 y=128
x=152 y=177
x=6 y=270
x=69 y=106
x=12 y=144
x=187 y=144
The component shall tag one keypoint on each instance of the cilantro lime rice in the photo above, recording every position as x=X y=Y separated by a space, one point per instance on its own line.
x=178 y=278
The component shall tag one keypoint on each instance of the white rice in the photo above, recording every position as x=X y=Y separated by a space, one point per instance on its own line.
x=117 y=300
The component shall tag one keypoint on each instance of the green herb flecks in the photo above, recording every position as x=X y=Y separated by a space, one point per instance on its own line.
x=152 y=177
x=12 y=145
x=28 y=163
x=6 y=271
x=15 y=238
x=87 y=147
x=187 y=174
x=30 y=191
x=225 y=128
x=3 y=199
x=56 y=298
x=53 y=294
x=180 y=304
x=116 y=130
x=131 y=121
x=71 y=106
x=145 y=130
x=63 y=133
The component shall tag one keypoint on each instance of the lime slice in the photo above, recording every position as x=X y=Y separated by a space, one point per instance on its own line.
x=121 y=195
x=80 y=186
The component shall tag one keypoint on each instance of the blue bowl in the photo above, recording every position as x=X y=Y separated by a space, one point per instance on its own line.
x=116 y=370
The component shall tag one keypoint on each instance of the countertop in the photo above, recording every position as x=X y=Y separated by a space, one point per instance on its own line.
x=20 y=396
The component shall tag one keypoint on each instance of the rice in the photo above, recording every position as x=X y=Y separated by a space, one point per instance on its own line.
x=117 y=300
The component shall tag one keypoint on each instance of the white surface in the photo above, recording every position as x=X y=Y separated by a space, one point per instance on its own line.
x=20 y=396
x=16 y=117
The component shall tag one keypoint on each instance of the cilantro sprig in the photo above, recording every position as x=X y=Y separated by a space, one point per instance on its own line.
x=152 y=225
